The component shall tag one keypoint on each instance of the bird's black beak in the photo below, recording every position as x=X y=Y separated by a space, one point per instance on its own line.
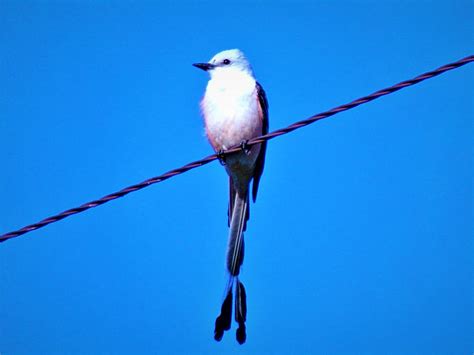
x=204 y=66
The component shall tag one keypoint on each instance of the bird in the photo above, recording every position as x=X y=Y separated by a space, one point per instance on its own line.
x=235 y=109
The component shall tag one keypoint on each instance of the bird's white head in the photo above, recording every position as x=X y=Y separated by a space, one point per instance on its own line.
x=228 y=61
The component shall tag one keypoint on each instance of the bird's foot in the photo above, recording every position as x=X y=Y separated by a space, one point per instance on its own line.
x=245 y=147
x=221 y=156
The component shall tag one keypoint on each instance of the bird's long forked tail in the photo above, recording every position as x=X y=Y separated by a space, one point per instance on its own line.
x=235 y=255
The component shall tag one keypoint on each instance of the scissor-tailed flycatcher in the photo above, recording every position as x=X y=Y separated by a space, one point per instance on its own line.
x=235 y=109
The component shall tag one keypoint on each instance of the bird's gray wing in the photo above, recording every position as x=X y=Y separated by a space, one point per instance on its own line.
x=263 y=112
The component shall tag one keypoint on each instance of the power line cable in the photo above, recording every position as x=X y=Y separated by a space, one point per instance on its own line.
x=256 y=140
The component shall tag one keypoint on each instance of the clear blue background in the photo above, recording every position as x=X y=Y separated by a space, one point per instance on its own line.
x=361 y=238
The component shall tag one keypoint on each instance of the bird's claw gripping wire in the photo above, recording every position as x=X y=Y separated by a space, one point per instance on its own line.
x=245 y=147
x=221 y=156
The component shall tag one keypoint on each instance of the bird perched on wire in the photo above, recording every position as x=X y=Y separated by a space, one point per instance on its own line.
x=235 y=109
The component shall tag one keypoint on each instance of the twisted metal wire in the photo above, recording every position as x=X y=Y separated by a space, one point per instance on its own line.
x=256 y=140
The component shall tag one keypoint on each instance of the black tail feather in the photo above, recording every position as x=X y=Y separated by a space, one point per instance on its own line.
x=224 y=320
x=240 y=311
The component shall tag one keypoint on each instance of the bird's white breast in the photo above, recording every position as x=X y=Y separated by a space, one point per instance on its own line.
x=230 y=109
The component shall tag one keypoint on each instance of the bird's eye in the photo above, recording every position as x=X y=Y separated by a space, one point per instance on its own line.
x=226 y=61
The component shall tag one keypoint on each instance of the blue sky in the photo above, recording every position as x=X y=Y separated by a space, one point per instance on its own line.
x=361 y=237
